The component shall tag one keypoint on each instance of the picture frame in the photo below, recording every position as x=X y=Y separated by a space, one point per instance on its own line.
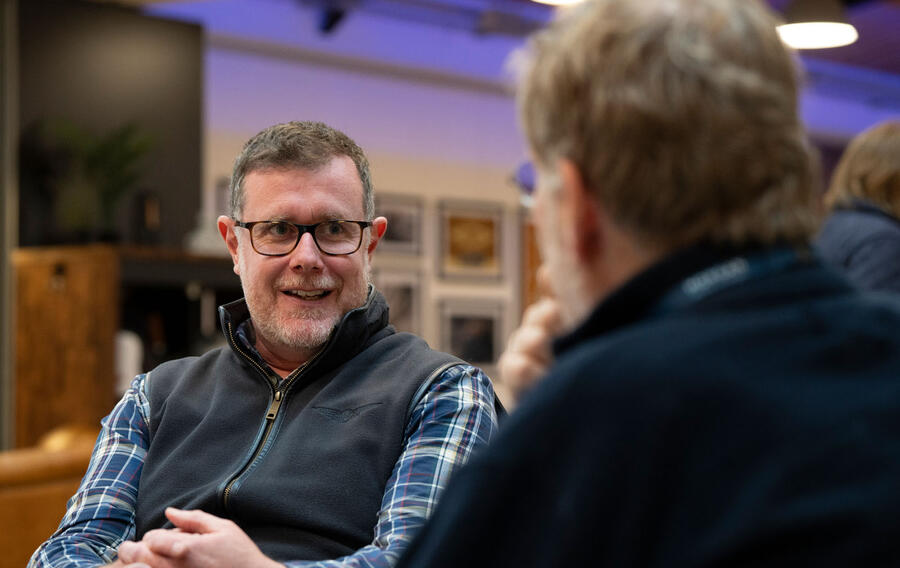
x=470 y=240
x=404 y=229
x=403 y=291
x=472 y=329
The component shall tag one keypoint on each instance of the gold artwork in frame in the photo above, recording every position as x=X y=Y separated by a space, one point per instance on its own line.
x=470 y=240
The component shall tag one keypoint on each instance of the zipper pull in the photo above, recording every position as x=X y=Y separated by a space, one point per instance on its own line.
x=273 y=408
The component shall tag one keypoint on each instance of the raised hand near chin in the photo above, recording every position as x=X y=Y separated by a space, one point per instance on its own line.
x=528 y=353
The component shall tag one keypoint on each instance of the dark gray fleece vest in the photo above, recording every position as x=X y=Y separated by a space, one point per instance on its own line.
x=301 y=465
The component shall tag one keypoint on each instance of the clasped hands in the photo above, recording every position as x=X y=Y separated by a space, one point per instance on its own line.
x=199 y=540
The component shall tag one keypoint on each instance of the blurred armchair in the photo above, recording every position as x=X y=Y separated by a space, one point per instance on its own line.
x=35 y=483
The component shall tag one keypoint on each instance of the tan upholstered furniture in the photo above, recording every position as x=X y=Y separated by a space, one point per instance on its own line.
x=35 y=483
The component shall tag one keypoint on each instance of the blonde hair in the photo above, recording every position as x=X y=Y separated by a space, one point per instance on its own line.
x=681 y=116
x=869 y=169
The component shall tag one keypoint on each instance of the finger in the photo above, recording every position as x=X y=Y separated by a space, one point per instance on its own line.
x=138 y=555
x=540 y=325
x=542 y=314
x=195 y=521
x=532 y=342
x=544 y=283
x=518 y=373
x=157 y=531
x=545 y=313
x=131 y=552
x=169 y=543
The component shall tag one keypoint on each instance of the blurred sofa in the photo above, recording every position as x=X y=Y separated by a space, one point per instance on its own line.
x=35 y=484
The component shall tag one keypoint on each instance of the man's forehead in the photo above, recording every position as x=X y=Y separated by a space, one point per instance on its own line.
x=337 y=180
x=340 y=177
x=337 y=167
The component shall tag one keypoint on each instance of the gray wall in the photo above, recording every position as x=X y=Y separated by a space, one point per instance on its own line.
x=101 y=66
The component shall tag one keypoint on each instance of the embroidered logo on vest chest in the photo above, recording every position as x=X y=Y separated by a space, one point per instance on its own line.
x=344 y=415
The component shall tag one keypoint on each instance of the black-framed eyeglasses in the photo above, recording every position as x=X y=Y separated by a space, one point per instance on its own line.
x=278 y=238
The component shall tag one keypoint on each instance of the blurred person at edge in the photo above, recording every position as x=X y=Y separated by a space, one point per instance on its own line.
x=318 y=436
x=719 y=397
x=861 y=236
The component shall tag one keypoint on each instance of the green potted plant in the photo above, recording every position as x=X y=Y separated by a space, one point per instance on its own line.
x=99 y=170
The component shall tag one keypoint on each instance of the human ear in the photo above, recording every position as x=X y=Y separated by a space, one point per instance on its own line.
x=226 y=229
x=379 y=226
x=581 y=212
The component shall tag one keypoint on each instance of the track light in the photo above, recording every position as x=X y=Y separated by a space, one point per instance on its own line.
x=559 y=2
x=816 y=24
x=329 y=18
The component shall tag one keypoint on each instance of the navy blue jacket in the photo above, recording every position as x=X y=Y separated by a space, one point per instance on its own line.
x=704 y=415
x=863 y=242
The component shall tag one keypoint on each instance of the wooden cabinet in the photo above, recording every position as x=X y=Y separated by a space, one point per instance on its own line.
x=68 y=309
x=66 y=319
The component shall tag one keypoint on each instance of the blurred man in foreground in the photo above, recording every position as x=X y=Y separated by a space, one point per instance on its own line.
x=719 y=398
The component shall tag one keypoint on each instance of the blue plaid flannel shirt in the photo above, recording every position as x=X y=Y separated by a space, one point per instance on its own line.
x=454 y=417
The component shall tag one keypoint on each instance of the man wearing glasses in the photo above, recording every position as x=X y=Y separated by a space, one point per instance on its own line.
x=318 y=436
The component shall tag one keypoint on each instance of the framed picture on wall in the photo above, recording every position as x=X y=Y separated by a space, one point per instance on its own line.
x=470 y=240
x=472 y=329
x=404 y=229
x=403 y=291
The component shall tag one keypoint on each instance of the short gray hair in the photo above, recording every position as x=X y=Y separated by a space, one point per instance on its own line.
x=307 y=145
x=681 y=116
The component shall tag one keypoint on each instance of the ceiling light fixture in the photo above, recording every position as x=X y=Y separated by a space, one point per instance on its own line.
x=560 y=2
x=816 y=24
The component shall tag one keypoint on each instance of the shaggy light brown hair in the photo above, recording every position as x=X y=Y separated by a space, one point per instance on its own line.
x=681 y=116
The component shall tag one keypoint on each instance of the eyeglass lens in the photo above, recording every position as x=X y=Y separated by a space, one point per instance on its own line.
x=332 y=237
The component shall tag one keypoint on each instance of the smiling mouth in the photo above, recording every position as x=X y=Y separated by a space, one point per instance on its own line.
x=307 y=295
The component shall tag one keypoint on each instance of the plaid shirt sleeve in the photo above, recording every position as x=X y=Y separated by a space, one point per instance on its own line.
x=455 y=417
x=101 y=513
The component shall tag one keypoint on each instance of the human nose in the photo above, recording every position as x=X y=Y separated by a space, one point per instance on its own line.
x=306 y=255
